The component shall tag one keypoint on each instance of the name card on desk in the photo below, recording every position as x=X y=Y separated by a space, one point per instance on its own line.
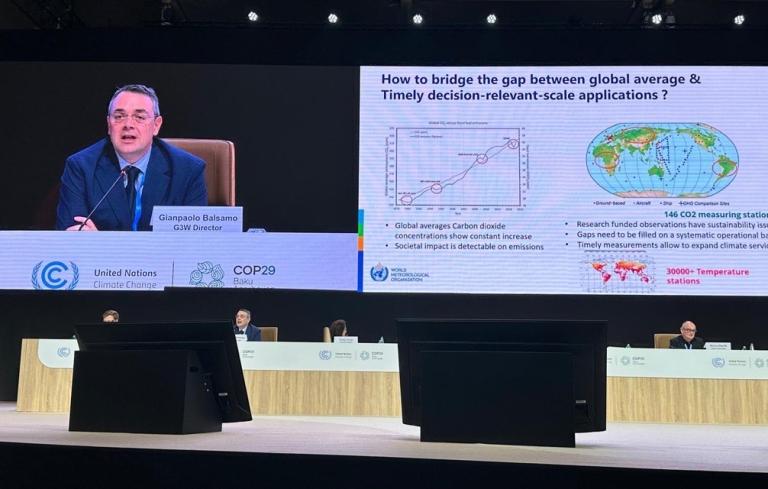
x=717 y=345
x=345 y=339
x=197 y=219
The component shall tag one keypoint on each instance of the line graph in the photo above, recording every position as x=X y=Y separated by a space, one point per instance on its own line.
x=457 y=167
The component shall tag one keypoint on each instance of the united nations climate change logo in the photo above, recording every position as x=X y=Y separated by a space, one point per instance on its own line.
x=207 y=275
x=64 y=351
x=718 y=362
x=325 y=354
x=379 y=273
x=55 y=275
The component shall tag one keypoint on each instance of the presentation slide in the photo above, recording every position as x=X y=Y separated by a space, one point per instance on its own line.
x=564 y=180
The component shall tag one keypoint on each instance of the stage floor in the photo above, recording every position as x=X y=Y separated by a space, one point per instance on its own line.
x=624 y=445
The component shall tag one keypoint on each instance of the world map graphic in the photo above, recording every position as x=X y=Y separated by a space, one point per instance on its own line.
x=662 y=160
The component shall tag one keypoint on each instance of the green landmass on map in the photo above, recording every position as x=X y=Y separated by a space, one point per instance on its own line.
x=703 y=138
x=656 y=170
x=727 y=164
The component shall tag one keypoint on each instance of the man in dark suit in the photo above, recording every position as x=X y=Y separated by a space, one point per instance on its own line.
x=132 y=167
x=243 y=326
x=687 y=339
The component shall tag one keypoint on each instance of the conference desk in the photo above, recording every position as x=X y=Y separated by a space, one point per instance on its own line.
x=283 y=378
x=682 y=386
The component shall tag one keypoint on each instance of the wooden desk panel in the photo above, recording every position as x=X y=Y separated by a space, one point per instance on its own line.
x=41 y=389
x=288 y=392
x=706 y=401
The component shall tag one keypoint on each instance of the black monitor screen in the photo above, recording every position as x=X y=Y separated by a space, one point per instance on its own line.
x=213 y=341
x=585 y=340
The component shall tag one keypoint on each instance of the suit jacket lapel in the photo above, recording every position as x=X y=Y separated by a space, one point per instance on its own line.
x=155 y=184
x=107 y=171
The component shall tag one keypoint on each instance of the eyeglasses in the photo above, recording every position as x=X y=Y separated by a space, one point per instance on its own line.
x=139 y=117
x=688 y=330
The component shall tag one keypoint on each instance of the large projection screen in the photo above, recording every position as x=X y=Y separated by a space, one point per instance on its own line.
x=564 y=180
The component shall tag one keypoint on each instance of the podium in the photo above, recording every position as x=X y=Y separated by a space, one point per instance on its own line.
x=498 y=397
x=142 y=391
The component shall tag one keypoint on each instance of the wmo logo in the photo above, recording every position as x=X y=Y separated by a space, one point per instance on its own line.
x=379 y=273
x=55 y=275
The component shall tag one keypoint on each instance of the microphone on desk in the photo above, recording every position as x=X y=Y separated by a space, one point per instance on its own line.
x=88 y=217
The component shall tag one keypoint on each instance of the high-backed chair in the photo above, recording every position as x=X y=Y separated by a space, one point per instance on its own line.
x=268 y=333
x=661 y=340
x=219 y=157
x=326 y=334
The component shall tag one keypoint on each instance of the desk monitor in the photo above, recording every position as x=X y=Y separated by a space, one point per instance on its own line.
x=213 y=341
x=585 y=340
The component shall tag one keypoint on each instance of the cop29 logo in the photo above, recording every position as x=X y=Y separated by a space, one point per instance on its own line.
x=207 y=275
x=55 y=275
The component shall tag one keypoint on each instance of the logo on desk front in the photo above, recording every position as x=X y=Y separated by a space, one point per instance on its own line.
x=55 y=275
x=718 y=362
x=759 y=363
x=64 y=351
x=325 y=354
x=625 y=360
x=207 y=275
x=379 y=273
x=364 y=355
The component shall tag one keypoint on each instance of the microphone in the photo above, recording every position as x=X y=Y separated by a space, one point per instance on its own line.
x=88 y=217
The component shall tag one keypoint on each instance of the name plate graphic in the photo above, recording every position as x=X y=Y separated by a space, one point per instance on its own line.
x=197 y=219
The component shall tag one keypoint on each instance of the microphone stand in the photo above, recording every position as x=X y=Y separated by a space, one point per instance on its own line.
x=88 y=217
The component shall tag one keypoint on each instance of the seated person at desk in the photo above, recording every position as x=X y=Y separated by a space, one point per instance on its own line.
x=243 y=326
x=338 y=328
x=687 y=339
x=110 y=316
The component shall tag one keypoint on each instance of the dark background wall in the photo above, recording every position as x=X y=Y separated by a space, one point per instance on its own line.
x=297 y=159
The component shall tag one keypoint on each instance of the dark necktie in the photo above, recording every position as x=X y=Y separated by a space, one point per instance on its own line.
x=130 y=190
